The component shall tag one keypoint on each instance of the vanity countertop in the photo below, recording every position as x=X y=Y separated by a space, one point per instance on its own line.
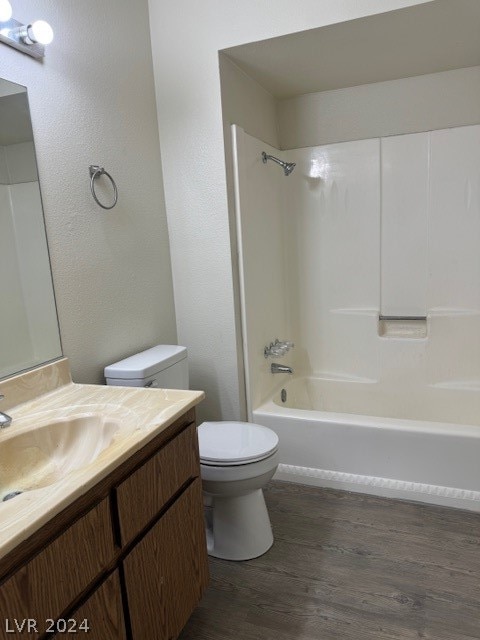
x=138 y=415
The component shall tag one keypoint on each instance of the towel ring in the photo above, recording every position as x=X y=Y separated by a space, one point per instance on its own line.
x=96 y=172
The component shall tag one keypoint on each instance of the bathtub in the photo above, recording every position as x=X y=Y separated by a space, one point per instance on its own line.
x=332 y=434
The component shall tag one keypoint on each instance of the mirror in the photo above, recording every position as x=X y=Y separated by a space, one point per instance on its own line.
x=29 y=333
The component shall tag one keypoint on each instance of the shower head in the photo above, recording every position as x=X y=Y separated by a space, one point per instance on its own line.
x=288 y=167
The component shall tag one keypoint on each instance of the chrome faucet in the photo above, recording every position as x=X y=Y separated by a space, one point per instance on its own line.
x=5 y=421
x=280 y=368
x=278 y=348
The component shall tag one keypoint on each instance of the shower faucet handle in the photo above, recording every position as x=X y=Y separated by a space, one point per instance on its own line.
x=278 y=348
x=284 y=343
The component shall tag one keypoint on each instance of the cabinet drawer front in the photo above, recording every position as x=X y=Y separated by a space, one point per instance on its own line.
x=47 y=585
x=141 y=496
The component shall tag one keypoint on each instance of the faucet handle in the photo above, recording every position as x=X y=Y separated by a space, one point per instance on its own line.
x=2 y=397
x=278 y=348
x=285 y=344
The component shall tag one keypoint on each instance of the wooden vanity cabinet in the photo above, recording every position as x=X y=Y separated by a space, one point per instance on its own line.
x=100 y=617
x=146 y=491
x=44 y=587
x=170 y=568
x=129 y=557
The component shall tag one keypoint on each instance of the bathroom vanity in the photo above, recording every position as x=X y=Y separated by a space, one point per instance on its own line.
x=101 y=515
x=116 y=548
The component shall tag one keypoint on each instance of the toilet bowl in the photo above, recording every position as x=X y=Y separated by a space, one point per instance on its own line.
x=237 y=459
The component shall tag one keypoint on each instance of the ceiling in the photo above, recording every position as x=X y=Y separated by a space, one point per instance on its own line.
x=436 y=36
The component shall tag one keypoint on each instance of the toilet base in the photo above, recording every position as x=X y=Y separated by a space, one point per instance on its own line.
x=238 y=527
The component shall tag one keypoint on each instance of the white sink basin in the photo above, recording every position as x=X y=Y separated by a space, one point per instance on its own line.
x=46 y=453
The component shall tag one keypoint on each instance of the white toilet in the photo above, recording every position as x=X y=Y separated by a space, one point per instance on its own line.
x=237 y=459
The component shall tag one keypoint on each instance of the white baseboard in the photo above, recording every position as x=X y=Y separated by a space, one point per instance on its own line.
x=386 y=487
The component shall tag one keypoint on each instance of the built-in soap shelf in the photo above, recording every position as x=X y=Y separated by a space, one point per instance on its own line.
x=412 y=327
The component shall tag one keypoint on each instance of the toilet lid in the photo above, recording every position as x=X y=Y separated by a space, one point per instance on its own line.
x=224 y=443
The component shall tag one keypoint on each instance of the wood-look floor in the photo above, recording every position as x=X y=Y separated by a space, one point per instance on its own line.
x=349 y=567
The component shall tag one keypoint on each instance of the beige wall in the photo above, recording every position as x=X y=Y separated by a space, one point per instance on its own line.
x=261 y=214
x=92 y=102
x=186 y=38
x=247 y=104
x=420 y=103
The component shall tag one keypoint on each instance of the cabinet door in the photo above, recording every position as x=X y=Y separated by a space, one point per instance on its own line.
x=101 y=614
x=167 y=572
x=141 y=496
x=48 y=584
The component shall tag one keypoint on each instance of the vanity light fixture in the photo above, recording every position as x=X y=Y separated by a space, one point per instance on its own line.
x=5 y=10
x=29 y=38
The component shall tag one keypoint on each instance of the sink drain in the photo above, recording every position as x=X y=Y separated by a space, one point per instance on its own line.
x=11 y=495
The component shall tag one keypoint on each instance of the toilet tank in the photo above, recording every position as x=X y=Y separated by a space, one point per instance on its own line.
x=164 y=366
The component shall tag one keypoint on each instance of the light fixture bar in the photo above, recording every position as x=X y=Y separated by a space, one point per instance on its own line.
x=11 y=34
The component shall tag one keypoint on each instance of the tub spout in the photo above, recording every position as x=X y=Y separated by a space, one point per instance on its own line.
x=280 y=368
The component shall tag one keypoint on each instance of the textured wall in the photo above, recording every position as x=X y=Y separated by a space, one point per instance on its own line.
x=420 y=103
x=247 y=104
x=186 y=38
x=92 y=102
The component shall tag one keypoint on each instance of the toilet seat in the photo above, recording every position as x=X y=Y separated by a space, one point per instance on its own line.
x=235 y=443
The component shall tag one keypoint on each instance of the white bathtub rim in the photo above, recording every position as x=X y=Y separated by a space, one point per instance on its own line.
x=270 y=409
x=385 y=487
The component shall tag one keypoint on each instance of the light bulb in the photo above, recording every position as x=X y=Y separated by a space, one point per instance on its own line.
x=5 y=10
x=40 y=31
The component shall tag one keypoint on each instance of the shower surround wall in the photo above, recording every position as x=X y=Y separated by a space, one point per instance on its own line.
x=385 y=226
x=382 y=226
x=262 y=268
x=30 y=312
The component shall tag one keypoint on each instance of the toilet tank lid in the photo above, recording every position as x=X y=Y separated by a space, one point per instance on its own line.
x=146 y=363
